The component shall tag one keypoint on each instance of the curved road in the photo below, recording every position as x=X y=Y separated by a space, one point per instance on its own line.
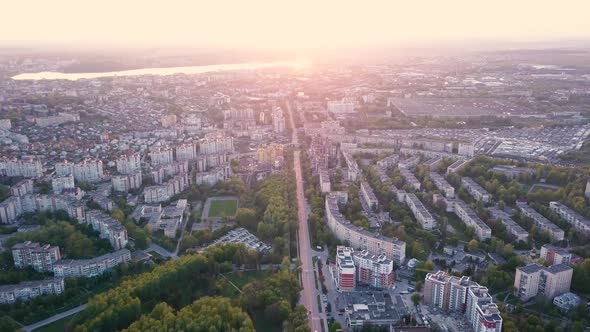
x=309 y=293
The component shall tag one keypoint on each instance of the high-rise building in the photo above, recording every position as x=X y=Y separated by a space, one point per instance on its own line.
x=186 y=152
x=22 y=188
x=161 y=156
x=88 y=170
x=125 y=183
x=278 y=120
x=459 y=294
x=58 y=184
x=373 y=270
x=482 y=312
x=27 y=166
x=40 y=257
x=346 y=271
x=534 y=279
x=127 y=164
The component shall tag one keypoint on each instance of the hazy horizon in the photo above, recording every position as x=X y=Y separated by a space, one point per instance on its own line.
x=300 y=26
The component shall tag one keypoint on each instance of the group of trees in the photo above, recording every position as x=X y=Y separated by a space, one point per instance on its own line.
x=74 y=240
x=274 y=203
x=205 y=314
x=177 y=282
x=77 y=291
x=274 y=298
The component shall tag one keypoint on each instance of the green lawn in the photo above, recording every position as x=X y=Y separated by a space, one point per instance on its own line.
x=223 y=208
x=57 y=326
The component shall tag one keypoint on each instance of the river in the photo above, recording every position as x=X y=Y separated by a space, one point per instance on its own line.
x=47 y=75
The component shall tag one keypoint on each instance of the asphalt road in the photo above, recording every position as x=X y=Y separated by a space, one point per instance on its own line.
x=309 y=292
x=54 y=318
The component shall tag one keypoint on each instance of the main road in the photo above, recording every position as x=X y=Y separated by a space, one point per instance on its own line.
x=309 y=293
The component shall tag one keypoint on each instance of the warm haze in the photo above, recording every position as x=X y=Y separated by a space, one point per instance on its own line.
x=290 y=25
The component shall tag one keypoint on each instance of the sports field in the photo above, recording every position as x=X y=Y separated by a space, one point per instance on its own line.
x=223 y=208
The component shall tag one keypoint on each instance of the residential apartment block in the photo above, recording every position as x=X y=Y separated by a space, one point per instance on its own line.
x=345 y=269
x=442 y=185
x=420 y=212
x=40 y=257
x=514 y=229
x=88 y=170
x=91 y=267
x=477 y=191
x=27 y=290
x=22 y=188
x=573 y=218
x=555 y=255
x=461 y=295
x=108 y=228
x=471 y=219
x=344 y=230
x=27 y=166
x=541 y=222
x=534 y=279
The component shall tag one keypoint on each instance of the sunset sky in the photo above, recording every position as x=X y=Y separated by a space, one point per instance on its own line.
x=290 y=24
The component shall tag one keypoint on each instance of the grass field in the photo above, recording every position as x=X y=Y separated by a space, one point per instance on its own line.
x=223 y=208
x=57 y=326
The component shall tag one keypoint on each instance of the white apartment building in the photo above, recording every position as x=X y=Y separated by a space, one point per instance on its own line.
x=27 y=166
x=213 y=176
x=10 y=210
x=40 y=257
x=534 y=279
x=541 y=222
x=161 y=156
x=214 y=144
x=482 y=313
x=410 y=179
x=128 y=164
x=359 y=238
x=125 y=183
x=54 y=120
x=555 y=255
x=163 y=192
x=90 y=267
x=442 y=185
x=58 y=184
x=461 y=295
x=325 y=184
x=108 y=228
x=573 y=218
x=470 y=219
x=186 y=152
x=373 y=270
x=278 y=120
x=368 y=196
x=87 y=170
x=514 y=229
x=477 y=191
x=27 y=290
x=420 y=212
x=340 y=107
x=457 y=165
x=22 y=188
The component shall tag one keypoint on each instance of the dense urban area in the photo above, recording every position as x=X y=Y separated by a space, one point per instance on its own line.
x=431 y=193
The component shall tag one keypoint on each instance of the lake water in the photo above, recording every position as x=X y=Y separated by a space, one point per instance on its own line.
x=47 y=75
